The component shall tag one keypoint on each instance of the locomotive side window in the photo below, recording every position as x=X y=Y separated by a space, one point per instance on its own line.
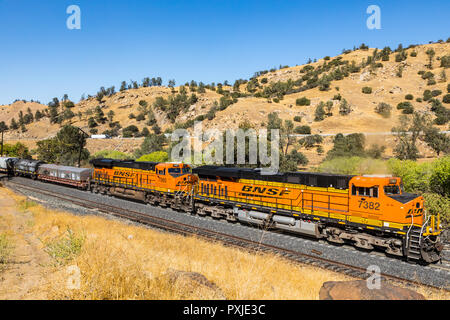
x=365 y=192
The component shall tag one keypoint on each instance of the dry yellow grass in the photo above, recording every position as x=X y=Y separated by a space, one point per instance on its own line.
x=122 y=261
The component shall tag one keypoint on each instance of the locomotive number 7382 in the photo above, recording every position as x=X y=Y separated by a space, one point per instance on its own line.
x=369 y=205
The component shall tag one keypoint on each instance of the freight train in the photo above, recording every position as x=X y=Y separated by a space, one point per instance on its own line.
x=369 y=212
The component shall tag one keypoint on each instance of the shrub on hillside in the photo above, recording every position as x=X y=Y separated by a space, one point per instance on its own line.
x=445 y=62
x=157 y=156
x=298 y=119
x=436 y=93
x=384 y=109
x=446 y=98
x=303 y=101
x=112 y=154
x=367 y=90
x=303 y=130
x=409 y=97
x=406 y=107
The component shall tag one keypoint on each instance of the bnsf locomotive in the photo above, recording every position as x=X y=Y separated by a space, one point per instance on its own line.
x=366 y=211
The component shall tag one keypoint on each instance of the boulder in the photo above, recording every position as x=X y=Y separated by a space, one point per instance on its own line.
x=193 y=285
x=358 y=290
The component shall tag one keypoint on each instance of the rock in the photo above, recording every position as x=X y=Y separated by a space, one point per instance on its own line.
x=358 y=290
x=395 y=89
x=193 y=285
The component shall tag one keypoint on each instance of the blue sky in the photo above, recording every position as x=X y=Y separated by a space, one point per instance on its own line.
x=209 y=41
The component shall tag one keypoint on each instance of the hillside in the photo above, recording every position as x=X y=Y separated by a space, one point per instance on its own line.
x=390 y=81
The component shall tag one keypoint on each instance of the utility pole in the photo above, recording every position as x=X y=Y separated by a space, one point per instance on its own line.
x=2 y=143
x=81 y=145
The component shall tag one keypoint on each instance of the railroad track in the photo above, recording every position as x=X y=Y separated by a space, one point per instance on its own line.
x=313 y=259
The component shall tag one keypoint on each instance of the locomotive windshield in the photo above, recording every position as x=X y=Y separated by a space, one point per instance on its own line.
x=177 y=172
x=393 y=189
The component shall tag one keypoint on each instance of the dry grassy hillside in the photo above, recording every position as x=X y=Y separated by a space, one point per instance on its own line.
x=384 y=80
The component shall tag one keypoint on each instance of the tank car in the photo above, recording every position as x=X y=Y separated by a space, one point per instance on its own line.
x=7 y=165
x=27 y=168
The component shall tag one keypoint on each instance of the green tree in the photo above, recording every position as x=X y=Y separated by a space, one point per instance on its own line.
x=3 y=126
x=152 y=143
x=431 y=53
x=320 y=112
x=344 y=108
x=437 y=141
x=14 y=125
x=383 y=109
x=346 y=146
x=18 y=150
x=407 y=134
x=64 y=148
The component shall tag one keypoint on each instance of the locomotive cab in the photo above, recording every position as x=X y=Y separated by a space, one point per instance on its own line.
x=175 y=175
x=383 y=199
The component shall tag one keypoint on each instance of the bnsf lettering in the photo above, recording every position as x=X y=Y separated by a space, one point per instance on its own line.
x=263 y=190
x=124 y=174
x=414 y=212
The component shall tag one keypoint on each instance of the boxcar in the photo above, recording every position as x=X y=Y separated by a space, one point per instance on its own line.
x=73 y=176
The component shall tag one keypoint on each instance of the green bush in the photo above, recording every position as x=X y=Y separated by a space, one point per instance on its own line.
x=383 y=109
x=157 y=156
x=427 y=95
x=419 y=99
x=445 y=62
x=427 y=75
x=367 y=90
x=303 y=130
x=65 y=249
x=298 y=119
x=408 y=110
x=436 y=93
x=409 y=97
x=431 y=82
x=112 y=154
x=431 y=179
x=446 y=98
x=436 y=204
x=303 y=101
x=403 y=105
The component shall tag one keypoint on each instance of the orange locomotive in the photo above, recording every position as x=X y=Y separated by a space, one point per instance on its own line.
x=367 y=211
x=166 y=184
